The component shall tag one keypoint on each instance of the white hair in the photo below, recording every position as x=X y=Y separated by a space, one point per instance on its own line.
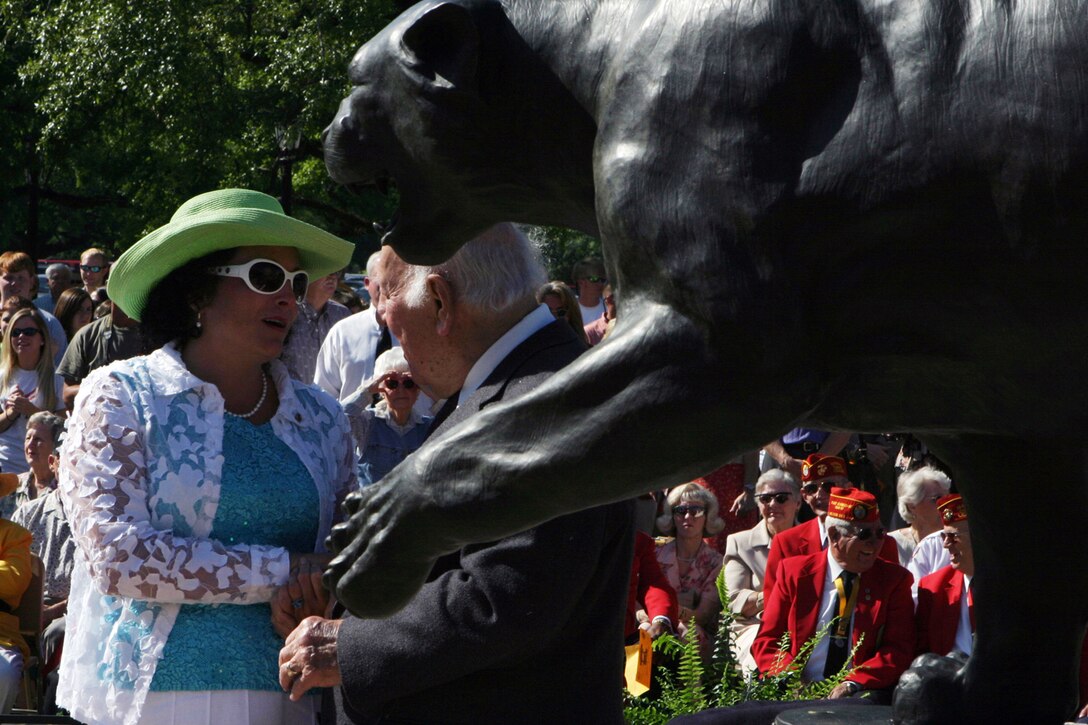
x=495 y=271
x=698 y=494
x=911 y=488
x=777 y=475
x=372 y=263
x=390 y=361
x=845 y=527
x=58 y=267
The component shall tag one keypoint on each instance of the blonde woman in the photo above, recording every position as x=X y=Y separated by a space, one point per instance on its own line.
x=28 y=383
x=690 y=564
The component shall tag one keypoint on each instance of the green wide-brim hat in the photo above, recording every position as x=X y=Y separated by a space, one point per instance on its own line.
x=213 y=221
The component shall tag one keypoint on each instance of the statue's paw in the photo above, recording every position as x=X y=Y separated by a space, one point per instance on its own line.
x=931 y=691
x=381 y=560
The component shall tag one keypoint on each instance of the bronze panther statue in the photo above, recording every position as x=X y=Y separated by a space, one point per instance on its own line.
x=850 y=214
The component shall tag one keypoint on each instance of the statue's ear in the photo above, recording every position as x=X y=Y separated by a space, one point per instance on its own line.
x=444 y=41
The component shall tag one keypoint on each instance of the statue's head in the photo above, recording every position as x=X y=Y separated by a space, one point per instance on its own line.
x=451 y=106
x=414 y=119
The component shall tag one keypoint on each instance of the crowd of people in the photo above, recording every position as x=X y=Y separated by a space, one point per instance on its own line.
x=183 y=427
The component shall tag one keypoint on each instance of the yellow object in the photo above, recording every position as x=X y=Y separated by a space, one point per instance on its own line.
x=639 y=664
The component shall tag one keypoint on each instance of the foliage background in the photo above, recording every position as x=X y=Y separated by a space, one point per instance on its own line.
x=116 y=111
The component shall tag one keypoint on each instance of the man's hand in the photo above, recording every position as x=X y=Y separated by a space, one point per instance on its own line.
x=843 y=689
x=308 y=659
x=743 y=503
x=658 y=627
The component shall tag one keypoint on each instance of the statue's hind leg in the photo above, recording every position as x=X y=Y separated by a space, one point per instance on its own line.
x=1027 y=503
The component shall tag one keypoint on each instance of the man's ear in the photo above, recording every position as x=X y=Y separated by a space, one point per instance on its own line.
x=439 y=289
x=444 y=42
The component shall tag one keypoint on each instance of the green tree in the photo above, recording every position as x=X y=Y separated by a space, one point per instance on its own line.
x=562 y=248
x=115 y=112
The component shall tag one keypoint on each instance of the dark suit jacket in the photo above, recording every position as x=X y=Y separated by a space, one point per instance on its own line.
x=884 y=612
x=525 y=629
x=805 y=539
x=938 y=614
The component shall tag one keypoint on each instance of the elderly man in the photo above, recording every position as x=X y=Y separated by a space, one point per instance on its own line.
x=59 y=278
x=522 y=629
x=851 y=589
x=819 y=473
x=946 y=621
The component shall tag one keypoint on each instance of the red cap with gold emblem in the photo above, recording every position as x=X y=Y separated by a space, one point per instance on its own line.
x=818 y=466
x=854 y=505
x=952 y=508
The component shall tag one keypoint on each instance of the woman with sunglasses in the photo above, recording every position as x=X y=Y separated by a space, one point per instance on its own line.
x=28 y=381
x=386 y=432
x=918 y=492
x=778 y=498
x=199 y=479
x=564 y=306
x=691 y=564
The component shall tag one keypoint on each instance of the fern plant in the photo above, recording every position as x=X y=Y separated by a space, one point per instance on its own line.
x=696 y=686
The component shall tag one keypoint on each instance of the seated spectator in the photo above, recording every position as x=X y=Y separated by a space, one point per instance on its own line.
x=917 y=493
x=74 y=310
x=778 y=498
x=651 y=601
x=599 y=328
x=819 y=473
x=38 y=445
x=822 y=589
x=27 y=382
x=690 y=564
x=9 y=307
x=386 y=432
x=14 y=580
x=945 y=618
x=52 y=542
x=560 y=300
x=929 y=556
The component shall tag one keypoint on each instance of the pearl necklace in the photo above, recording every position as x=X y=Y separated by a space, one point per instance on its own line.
x=264 y=394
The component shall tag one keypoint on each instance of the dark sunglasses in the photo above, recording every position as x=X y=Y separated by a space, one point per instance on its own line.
x=27 y=331
x=683 y=511
x=266 y=277
x=393 y=383
x=780 y=497
x=96 y=268
x=810 y=488
x=866 y=534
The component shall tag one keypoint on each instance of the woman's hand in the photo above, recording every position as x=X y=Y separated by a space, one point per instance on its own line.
x=20 y=404
x=303 y=595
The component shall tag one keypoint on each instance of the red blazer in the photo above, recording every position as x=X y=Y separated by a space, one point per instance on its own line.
x=938 y=614
x=884 y=613
x=649 y=585
x=805 y=539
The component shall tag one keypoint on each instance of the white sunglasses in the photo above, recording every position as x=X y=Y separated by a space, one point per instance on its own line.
x=266 y=277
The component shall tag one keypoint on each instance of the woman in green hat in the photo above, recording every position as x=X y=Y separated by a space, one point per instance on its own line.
x=200 y=480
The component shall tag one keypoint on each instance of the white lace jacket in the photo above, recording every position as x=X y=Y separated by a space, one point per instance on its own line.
x=140 y=476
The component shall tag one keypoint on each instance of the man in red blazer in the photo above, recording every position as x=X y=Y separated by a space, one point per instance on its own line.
x=851 y=588
x=944 y=617
x=819 y=473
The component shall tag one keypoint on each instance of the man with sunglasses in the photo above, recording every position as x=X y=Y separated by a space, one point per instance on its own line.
x=819 y=473
x=92 y=270
x=852 y=592
x=590 y=279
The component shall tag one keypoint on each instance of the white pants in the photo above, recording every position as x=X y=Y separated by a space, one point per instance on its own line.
x=227 y=707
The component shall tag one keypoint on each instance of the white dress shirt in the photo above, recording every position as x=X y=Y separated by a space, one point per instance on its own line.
x=814 y=668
